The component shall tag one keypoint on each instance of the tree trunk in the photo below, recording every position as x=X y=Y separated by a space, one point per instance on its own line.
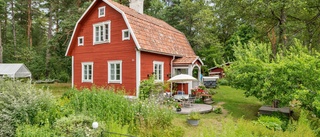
x=282 y=27
x=29 y=24
x=48 y=55
x=14 y=29
x=1 y=55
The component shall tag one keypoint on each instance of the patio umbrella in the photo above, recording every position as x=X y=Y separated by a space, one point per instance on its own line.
x=182 y=78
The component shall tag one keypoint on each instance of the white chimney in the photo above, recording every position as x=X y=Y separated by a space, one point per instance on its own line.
x=137 y=5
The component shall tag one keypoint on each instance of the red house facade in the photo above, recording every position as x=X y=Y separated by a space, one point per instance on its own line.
x=114 y=45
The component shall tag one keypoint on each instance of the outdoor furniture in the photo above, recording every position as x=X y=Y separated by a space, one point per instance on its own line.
x=181 y=96
x=189 y=102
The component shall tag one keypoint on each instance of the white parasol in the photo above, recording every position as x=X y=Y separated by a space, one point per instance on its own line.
x=182 y=78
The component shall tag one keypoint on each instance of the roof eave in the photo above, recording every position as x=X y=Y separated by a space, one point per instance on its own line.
x=158 y=52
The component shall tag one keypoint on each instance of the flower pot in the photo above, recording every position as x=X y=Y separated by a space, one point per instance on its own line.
x=178 y=109
x=193 y=122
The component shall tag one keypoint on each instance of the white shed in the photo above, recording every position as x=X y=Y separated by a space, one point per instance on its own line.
x=15 y=70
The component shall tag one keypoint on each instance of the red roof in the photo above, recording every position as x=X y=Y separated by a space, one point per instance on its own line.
x=153 y=35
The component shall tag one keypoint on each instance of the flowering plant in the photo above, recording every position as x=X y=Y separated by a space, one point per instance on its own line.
x=178 y=105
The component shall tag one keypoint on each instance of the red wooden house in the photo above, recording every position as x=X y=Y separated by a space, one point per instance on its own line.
x=218 y=70
x=114 y=45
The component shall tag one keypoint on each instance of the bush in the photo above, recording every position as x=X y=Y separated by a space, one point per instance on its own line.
x=273 y=123
x=77 y=125
x=20 y=103
x=223 y=82
x=218 y=110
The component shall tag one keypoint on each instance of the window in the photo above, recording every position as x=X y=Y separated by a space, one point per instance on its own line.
x=114 y=71
x=178 y=71
x=101 y=32
x=80 y=41
x=101 y=12
x=87 y=72
x=158 y=71
x=125 y=34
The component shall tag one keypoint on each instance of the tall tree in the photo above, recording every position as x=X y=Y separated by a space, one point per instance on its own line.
x=29 y=24
x=13 y=22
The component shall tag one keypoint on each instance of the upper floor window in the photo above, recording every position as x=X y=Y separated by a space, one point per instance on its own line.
x=87 y=72
x=125 y=34
x=101 y=32
x=101 y=11
x=114 y=71
x=80 y=41
x=158 y=71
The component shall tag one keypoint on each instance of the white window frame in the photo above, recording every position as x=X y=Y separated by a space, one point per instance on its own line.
x=156 y=72
x=83 y=79
x=102 y=31
x=176 y=68
x=109 y=72
x=123 y=34
x=81 y=38
x=101 y=11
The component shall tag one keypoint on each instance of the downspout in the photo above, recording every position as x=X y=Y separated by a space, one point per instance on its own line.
x=174 y=57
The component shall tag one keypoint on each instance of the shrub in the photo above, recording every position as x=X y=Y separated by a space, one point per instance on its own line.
x=223 y=82
x=20 y=103
x=77 y=125
x=218 y=110
x=27 y=130
x=273 y=123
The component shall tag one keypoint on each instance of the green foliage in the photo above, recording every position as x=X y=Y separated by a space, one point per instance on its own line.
x=243 y=128
x=149 y=87
x=101 y=103
x=194 y=115
x=218 y=110
x=273 y=123
x=21 y=103
x=77 y=125
x=288 y=76
x=27 y=130
x=212 y=91
x=223 y=82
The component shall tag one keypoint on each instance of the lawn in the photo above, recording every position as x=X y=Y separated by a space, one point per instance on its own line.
x=57 y=89
x=236 y=103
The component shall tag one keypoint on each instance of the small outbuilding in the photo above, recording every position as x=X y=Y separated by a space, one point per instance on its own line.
x=14 y=70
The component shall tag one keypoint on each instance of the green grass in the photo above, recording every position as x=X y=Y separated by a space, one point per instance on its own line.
x=57 y=89
x=236 y=103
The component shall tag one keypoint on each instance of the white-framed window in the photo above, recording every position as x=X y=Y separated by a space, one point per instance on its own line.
x=115 y=71
x=101 y=32
x=80 y=41
x=125 y=34
x=87 y=72
x=178 y=71
x=158 y=71
x=102 y=11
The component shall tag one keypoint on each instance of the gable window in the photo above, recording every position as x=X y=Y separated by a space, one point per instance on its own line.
x=87 y=72
x=115 y=71
x=125 y=34
x=158 y=71
x=80 y=41
x=101 y=32
x=101 y=12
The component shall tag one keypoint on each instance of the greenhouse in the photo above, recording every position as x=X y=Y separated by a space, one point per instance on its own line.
x=17 y=70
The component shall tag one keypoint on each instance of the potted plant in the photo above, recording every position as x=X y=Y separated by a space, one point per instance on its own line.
x=178 y=107
x=193 y=118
